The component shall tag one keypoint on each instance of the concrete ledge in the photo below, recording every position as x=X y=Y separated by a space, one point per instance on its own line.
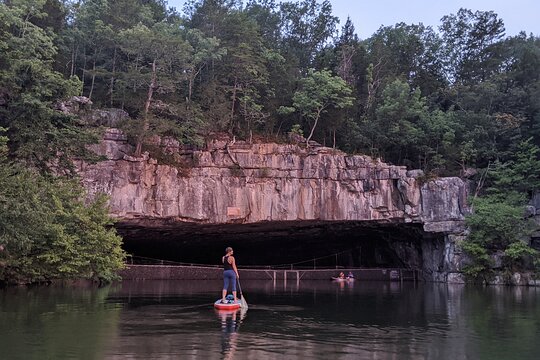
x=168 y=272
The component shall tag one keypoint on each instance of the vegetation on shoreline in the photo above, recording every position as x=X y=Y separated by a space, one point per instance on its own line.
x=48 y=232
x=499 y=224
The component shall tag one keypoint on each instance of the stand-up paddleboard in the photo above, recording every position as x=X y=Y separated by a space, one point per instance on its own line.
x=228 y=305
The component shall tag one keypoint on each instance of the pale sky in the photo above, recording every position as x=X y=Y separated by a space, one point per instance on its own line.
x=368 y=15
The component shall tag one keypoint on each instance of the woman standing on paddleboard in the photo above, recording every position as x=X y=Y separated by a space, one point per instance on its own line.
x=230 y=274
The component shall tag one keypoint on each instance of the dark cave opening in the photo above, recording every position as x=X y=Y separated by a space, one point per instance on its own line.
x=302 y=244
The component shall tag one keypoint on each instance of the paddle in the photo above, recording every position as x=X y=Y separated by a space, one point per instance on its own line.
x=243 y=302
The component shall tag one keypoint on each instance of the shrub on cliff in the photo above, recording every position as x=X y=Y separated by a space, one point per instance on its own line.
x=47 y=232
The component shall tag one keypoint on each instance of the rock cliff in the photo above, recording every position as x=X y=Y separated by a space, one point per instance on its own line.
x=238 y=182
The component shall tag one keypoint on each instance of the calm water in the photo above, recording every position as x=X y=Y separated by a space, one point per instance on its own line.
x=310 y=320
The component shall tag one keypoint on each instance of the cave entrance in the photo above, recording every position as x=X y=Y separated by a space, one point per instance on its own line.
x=280 y=244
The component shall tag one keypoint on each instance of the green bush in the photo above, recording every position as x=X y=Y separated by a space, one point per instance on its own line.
x=478 y=254
x=518 y=250
x=297 y=129
x=498 y=220
x=47 y=231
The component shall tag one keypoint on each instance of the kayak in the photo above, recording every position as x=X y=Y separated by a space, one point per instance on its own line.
x=229 y=305
x=342 y=279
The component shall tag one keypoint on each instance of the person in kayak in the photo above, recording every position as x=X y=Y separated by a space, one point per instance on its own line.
x=230 y=274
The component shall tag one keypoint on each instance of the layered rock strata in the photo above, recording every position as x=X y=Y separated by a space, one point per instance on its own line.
x=238 y=182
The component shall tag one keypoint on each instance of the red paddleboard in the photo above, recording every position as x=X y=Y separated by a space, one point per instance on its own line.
x=227 y=306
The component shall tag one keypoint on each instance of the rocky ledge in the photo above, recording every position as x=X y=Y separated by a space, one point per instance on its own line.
x=227 y=181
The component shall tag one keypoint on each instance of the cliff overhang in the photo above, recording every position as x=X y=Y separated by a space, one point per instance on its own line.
x=226 y=182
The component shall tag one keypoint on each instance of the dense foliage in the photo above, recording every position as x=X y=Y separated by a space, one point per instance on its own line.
x=458 y=96
x=445 y=100
x=499 y=224
x=47 y=232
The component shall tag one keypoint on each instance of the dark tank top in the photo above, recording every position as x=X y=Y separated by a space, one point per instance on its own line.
x=226 y=265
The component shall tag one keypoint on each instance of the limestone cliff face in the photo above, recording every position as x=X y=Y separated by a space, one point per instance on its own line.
x=239 y=182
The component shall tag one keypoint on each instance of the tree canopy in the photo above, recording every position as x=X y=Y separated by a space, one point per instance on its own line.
x=460 y=94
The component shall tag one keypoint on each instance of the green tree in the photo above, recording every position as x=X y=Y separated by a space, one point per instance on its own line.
x=411 y=52
x=398 y=121
x=519 y=84
x=266 y=14
x=521 y=173
x=157 y=58
x=29 y=88
x=306 y=26
x=209 y=16
x=319 y=92
x=47 y=232
x=89 y=43
x=346 y=48
x=472 y=45
x=246 y=72
x=204 y=50
x=238 y=82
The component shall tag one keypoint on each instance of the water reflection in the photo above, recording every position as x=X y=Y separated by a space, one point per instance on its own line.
x=230 y=325
x=297 y=320
x=56 y=322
